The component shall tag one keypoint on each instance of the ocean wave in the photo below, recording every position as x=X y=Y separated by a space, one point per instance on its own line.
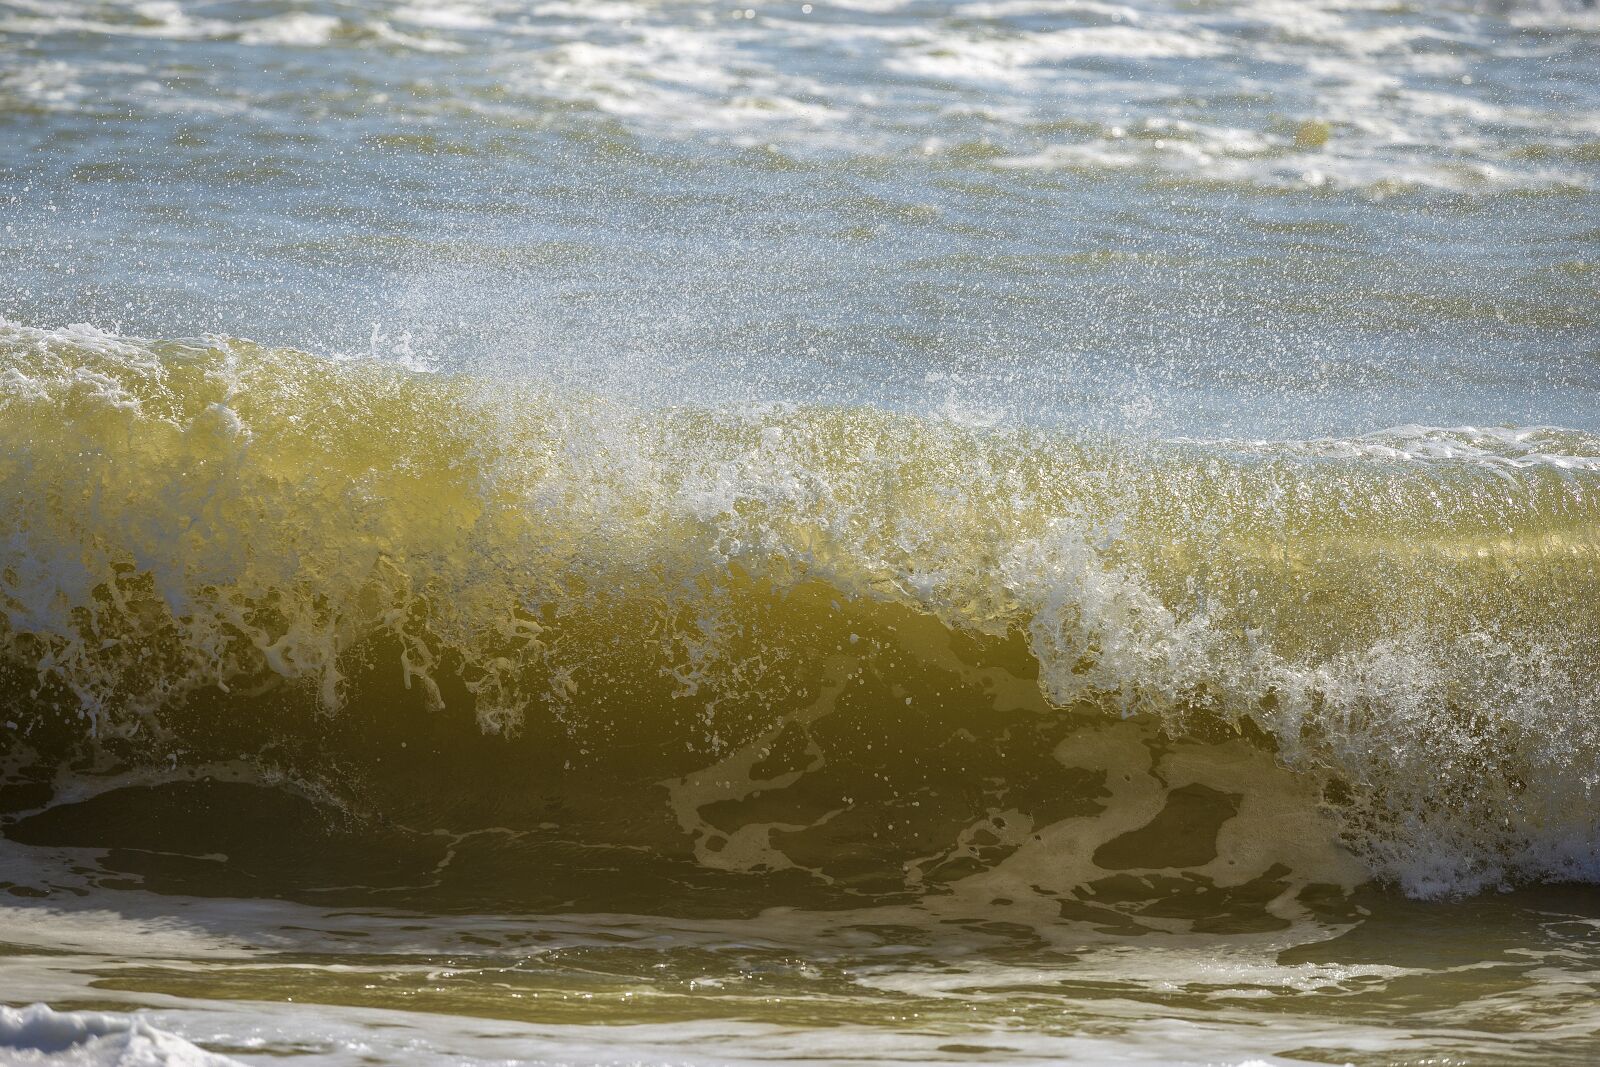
x=1408 y=98
x=217 y=551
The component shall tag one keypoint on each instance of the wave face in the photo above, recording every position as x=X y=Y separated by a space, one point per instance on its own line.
x=784 y=654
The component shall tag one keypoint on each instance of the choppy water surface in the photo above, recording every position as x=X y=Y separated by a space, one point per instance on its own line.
x=660 y=532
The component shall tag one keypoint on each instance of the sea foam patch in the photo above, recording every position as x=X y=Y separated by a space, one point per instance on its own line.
x=39 y=1036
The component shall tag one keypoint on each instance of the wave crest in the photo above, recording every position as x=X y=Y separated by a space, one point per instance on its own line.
x=1409 y=620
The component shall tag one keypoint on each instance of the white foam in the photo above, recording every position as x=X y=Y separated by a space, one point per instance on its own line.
x=38 y=1036
x=1415 y=98
x=302 y=28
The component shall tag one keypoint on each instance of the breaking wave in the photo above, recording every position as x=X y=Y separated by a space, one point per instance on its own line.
x=840 y=651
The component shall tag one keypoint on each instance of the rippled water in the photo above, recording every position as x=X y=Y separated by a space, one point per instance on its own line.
x=1258 y=219
x=1014 y=531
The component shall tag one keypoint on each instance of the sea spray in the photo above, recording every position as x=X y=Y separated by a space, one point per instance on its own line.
x=216 y=551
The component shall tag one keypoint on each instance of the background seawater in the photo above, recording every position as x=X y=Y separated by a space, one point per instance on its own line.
x=634 y=532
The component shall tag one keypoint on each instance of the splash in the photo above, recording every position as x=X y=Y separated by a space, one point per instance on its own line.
x=354 y=576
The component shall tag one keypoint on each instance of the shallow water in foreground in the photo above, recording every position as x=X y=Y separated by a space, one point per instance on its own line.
x=1005 y=532
x=264 y=981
